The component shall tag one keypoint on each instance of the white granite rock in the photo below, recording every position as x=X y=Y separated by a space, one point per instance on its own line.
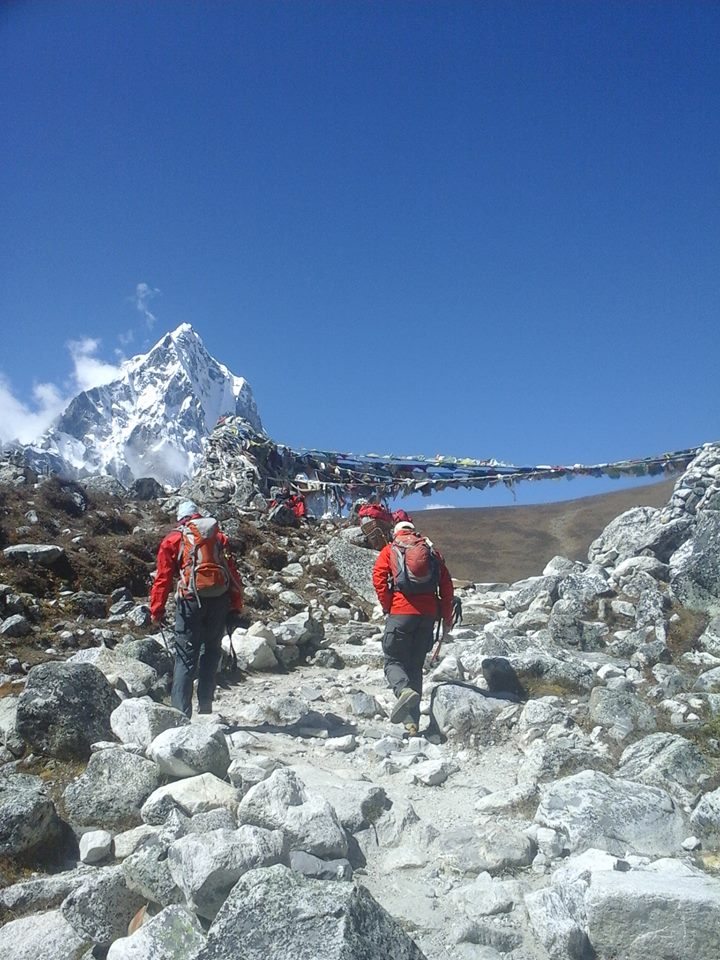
x=592 y=810
x=140 y=720
x=206 y=866
x=42 y=936
x=193 y=795
x=188 y=751
x=95 y=846
x=173 y=934
x=282 y=803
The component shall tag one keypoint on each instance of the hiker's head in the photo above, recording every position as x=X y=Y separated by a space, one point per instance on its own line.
x=404 y=525
x=186 y=509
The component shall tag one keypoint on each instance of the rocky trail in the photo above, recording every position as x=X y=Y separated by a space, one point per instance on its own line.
x=578 y=821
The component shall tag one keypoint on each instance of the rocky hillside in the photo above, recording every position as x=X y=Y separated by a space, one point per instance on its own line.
x=576 y=816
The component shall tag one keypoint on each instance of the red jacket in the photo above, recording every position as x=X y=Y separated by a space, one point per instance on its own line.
x=168 y=567
x=392 y=601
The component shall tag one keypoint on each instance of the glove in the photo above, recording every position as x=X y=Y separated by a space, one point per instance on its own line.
x=233 y=620
x=158 y=617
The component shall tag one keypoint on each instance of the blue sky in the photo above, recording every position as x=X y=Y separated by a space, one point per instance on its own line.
x=480 y=229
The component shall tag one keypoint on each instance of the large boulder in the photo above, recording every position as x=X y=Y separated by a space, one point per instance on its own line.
x=336 y=921
x=620 y=712
x=174 y=934
x=140 y=720
x=147 y=873
x=695 y=567
x=101 y=908
x=358 y=803
x=705 y=819
x=125 y=673
x=302 y=629
x=590 y=809
x=462 y=712
x=193 y=795
x=29 y=825
x=111 y=791
x=43 y=936
x=492 y=848
x=206 y=866
x=637 y=531
x=40 y=892
x=282 y=803
x=709 y=641
x=557 y=916
x=64 y=708
x=187 y=751
x=639 y=915
x=354 y=566
x=665 y=760
x=8 y=721
x=44 y=554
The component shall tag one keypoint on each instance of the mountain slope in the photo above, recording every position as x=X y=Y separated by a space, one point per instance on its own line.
x=153 y=420
x=510 y=543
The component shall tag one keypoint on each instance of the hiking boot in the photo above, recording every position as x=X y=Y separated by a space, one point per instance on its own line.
x=411 y=729
x=408 y=699
x=205 y=706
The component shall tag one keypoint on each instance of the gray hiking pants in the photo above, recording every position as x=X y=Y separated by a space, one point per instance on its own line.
x=199 y=631
x=406 y=642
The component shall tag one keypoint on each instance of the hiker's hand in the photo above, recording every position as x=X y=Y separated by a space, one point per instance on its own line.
x=233 y=620
x=158 y=617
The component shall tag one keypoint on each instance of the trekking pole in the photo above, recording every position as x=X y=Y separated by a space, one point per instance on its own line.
x=438 y=644
x=233 y=655
x=162 y=634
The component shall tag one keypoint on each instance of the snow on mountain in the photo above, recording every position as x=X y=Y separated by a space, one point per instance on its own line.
x=152 y=421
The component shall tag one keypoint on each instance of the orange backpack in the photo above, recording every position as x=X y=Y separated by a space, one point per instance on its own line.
x=414 y=565
x=203 y=569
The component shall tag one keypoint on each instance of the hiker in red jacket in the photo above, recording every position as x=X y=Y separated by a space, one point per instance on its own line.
x=209 y=597
x=415 y=590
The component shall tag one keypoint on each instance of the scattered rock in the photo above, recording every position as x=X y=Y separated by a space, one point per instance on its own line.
x=339 y=921
x=190 y=750
x=592 y=810
x=65 y=708
x=29 y=824
x=112 y=790
x=171 y=935
x=206 y=866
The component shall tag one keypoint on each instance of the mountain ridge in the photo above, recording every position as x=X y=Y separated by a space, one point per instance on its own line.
x=153 y=420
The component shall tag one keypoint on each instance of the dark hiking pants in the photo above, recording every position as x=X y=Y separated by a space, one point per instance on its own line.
x=199 y=629
x=406 y=641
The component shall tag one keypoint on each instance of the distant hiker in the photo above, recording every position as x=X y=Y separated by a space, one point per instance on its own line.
x=285 y=510
x=415 y=590
x=296 y=502
x=376 y=522
x=209 y=597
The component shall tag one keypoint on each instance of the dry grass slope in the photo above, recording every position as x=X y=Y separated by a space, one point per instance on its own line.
x=509 y=543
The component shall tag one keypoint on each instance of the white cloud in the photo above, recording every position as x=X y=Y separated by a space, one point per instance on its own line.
x=440 y=506
x=89 y=371
x=26 y=421
x=23 y=422
x=144 y=293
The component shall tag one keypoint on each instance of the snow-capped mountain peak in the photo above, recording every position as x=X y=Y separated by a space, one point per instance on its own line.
x=153 y=420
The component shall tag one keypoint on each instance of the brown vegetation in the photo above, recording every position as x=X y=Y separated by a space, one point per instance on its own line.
x=505 y=544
